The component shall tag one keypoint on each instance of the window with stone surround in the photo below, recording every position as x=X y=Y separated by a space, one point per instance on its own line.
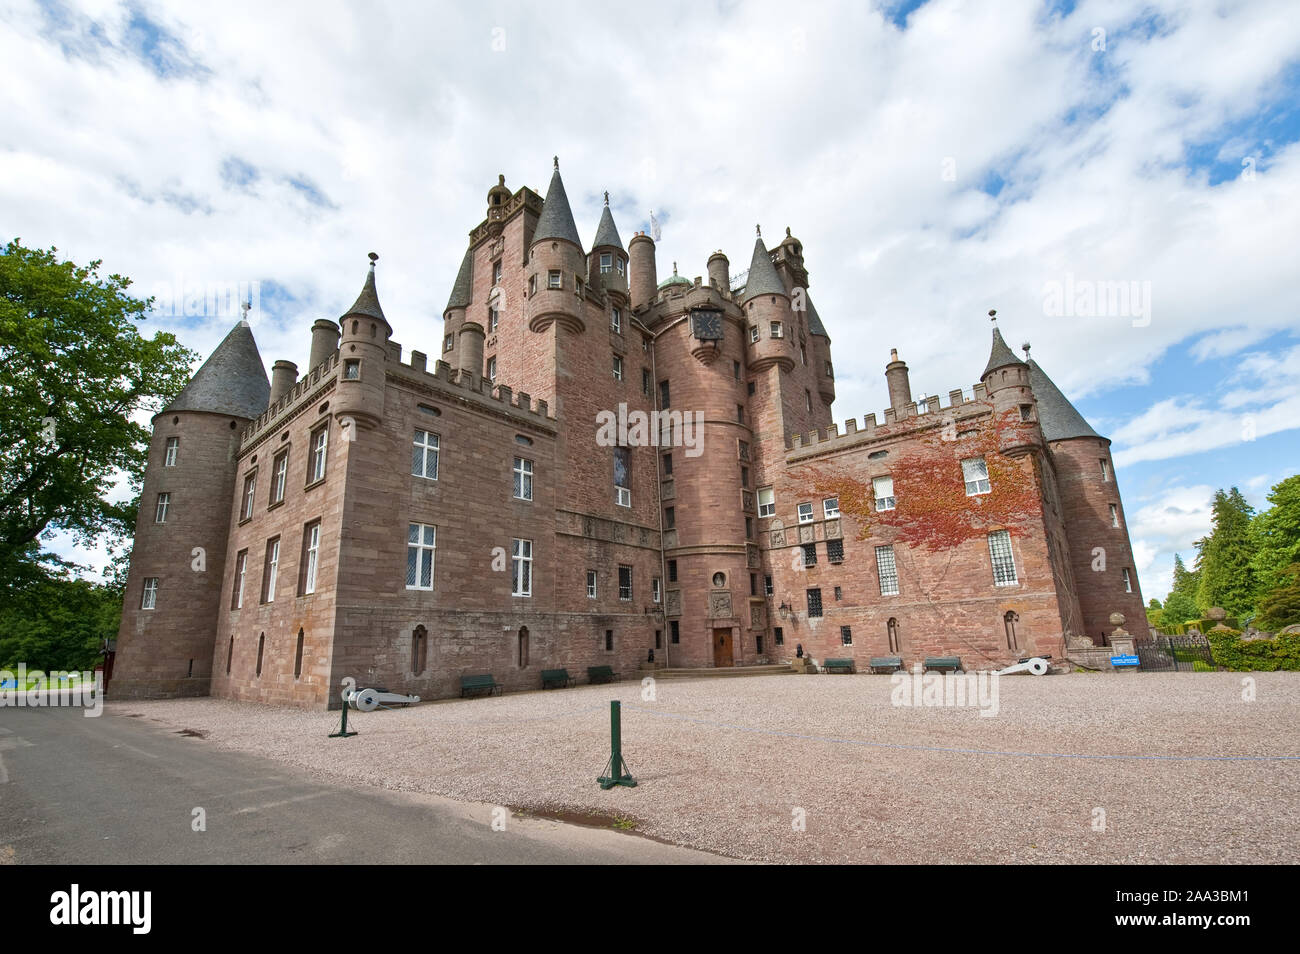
x=554 y=279
x=591 y=584
x=424 y=454
x=835 y=551
x=805 y=513
x=616 y=321
x=618 y=367
x=173 y=450
x=241 y=573
x=809 y=554
x=447 y=343
x=767 y=584
x=622 y=477
x=160 y=511
x=521 y=568
x=656 y=589
x=670 y=518
x=1105 y=468
x=279 y=476
x=625 y=583
x=1114 y=515
x=766 y=502
x=149 y=597
x=606 y=262
x=814 y=603
x=1004 y=563
x=882 y=489
x=421 y=545
x=846 y=635
x=776 y=329
x=320 y=439
x=270 y=569
x=494 y=318
x=492 y=368
x=975 y=471
x=664 y=394
x=778 y=635
x=831 y=507
x=887 y=571
x=523 y=474
x=674 y=630
x=672 y=571
x=250 y=495
x=310 y=558
x=1128 y=581
x=753 y=334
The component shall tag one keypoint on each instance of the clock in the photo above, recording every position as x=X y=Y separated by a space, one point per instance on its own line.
x=707 y=325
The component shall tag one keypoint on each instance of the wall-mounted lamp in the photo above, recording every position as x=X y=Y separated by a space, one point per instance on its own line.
x=784 y=609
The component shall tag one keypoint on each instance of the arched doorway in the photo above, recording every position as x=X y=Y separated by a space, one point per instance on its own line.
x=419 y=649
x=894 y=643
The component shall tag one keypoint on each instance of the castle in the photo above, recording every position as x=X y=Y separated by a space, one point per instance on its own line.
x=406 y=522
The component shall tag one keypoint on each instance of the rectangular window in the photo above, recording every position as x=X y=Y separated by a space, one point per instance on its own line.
x=241 y=573
x=591 y=584
x=807 y=398
x=523 y=479
x=668 y=465
x=609 y=640
x=424 y=454
x=1128 y=582
x=494 y=317
x=814 y=604
x=149 y=598
x=735 y=370
x=1004 y=563
x=753 y=584
x=887 y=571
x=270 y=570
x=492 y=368
x=975 y=472
x=421 y=542
x=749 y=528
x=839 y=594
x=1026 y=412
x=805 y=513
x=758 y=643
x=767 y=584
x=521 y=568
x=766 y=502
x=803 y=354
x=618 y=263
x=310 y=558
x=831 y=507
x=809 y=554
x=670 y=518
x=674 y=631
x=778 y=634
x=173 y=449
x=883 y=489
x=656 y=589
x=160 y=511
x=625 y=583
x=447 y=343
x=532 y=285
x=744 y=476
x=835 y=551
x=776 y=329
x=616 y=321
x=742 y=448
x=352 y=369
x=645 y=381
x=279 y=476
x=618 y=368
x=740 y=414
x=1105 y=469
x=319 y=447
x=250 y=494
x=606 y=262
x=622 y=477
x=1114 y=515
x=663 y=393
x=496 y=273
x=753 y=333
x=554 y=279
x=672 y=571
x=846 y=635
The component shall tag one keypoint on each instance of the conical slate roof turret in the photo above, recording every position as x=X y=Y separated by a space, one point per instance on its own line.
x=463 y=290
x=1000 y=356
x=815 y=326
x=556 y=220
x=367 y=303
x=762 y=278
x=232 y=381
x=1058 y=418
x=606 y=233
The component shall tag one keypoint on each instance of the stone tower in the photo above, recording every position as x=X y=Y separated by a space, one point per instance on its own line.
x=363 y=353
x=169 y=618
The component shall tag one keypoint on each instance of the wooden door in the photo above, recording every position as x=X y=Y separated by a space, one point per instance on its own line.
x=722 y=648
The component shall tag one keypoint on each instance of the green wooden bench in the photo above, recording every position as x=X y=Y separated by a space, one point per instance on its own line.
x=475 y=684
x=551 y=678
x=943 y=663
x=886 y=663
x=837 y=665
x=598 y=674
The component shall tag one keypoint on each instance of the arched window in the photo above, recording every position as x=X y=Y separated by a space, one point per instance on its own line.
x=523 y=647
x=1009 y=623
x=261 y=645
x=297 y=656
x=892 y=627
x=419 y=649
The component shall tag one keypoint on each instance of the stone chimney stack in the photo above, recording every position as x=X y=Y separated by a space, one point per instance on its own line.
x=324 y=342
x=900 y=388
x=284 y=374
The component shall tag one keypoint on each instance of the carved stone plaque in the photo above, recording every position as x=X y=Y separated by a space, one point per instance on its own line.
x=674 y=604
x=720 y=603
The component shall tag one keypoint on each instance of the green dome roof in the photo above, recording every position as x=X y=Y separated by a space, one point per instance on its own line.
x=675 y=279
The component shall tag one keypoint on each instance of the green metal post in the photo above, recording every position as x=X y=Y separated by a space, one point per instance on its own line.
x=616 y=772
x=343 y=732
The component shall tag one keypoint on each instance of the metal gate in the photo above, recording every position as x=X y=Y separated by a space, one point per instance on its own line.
x=1175 y=654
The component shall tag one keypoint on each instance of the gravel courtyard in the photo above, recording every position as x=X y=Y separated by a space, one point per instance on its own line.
x=729 y=765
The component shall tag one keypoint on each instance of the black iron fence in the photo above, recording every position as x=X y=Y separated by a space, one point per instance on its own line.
x=1175 y=654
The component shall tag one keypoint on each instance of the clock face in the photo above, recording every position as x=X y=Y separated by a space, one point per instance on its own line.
x=708 y=325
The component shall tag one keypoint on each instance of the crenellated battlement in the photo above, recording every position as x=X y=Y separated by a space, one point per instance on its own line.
x=460 y=384
x=915 y=415
x=307 y=384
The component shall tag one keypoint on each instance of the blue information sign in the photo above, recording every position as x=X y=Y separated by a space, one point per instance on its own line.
x=1123 y=660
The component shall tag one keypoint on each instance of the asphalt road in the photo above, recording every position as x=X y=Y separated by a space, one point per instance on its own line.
x=120 y=790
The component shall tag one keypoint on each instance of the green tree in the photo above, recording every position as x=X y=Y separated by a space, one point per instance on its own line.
x=76 y=377
x=57 y=623
x=1277 y=535
x=1223 y=558
x=1280 y=606
x=1180 y=605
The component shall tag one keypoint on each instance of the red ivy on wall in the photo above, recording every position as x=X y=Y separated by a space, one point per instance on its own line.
x=933 y=510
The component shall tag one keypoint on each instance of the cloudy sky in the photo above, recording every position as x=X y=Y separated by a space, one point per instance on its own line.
x=937 y=159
